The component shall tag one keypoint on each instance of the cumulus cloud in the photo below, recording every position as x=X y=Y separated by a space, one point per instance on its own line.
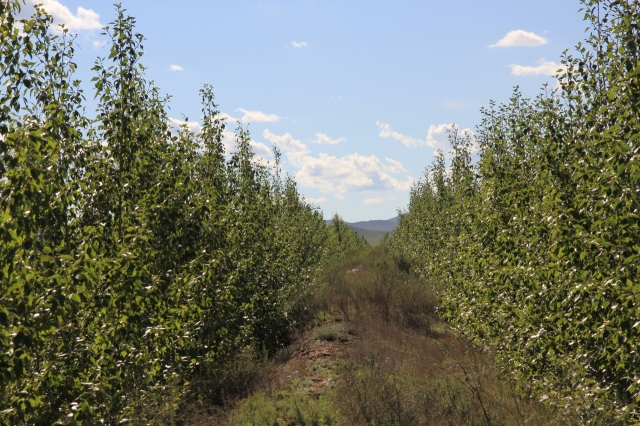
x=193 y=126
x=99 y=44
x=250 y=116
x=520 y=38
x=543 y=68
x=175 y=67
x=387 y=132
x=256 y=116
x=286 y=143
x=323 y=139
x=228 y=138
x=229 y=118
x=84 y=19
x=329 y=174
x=395 y=166
x=260 y=150
x=438 y=136
x=299 y=44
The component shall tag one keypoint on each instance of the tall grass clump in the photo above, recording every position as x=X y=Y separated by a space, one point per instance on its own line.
x=131 y=259
x=400 y=365
x=375 y=287
x=537 y=244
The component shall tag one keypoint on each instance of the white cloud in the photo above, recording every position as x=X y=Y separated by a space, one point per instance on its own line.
x=395 y=166
x=259 y=149
x=350 y=173
x=257 y=116
x=299 y=44
x=407 y=141
x=228 y=141
x=225 y=116
x=438 y=136
x=99 y=44
x=175 y=67
x=193 y=126
x=286 y=143
x=323 y=139
x=315 y=200
x=228 y=138
x=353 y=172
x=374 y=201
x=544 y=68
x=520 y=38
x=249 y=116
x=84 y=19
x=378 y=200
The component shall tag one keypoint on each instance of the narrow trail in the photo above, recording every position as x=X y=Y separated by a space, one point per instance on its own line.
x=376 y=353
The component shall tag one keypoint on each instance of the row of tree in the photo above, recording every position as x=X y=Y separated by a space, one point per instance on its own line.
x=537 y=243
x=130 y=257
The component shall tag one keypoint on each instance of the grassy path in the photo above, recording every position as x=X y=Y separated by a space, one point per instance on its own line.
x=376 y=353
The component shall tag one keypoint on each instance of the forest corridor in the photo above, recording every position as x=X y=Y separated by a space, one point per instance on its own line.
x=374 y=352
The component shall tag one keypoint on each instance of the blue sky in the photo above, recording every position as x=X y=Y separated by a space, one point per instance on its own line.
x=357 y=94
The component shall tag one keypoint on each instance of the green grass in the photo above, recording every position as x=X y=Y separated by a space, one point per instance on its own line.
x=289 y=407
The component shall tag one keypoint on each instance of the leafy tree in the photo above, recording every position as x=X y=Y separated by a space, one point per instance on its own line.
x=536 y=246
x=131 y=258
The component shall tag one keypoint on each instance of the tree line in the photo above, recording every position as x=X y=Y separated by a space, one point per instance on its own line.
x=133 y=258
x=532 y=227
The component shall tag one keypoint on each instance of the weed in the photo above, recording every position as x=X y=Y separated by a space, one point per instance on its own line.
x=290 y=408
x=381 y=287
x=399 y=376
x=333 y=332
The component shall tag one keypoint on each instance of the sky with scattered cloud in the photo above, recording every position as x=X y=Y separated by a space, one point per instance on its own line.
x=358 y=96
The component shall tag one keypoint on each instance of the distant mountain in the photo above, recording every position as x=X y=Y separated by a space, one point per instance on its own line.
x=373 y=230
x=373 y=237
x=388 y=225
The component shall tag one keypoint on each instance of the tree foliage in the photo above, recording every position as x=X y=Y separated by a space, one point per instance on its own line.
x=537 y=244
x=131 y=257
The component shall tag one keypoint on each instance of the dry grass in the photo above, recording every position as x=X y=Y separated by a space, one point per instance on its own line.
x=376 y=286
x=398 y=376
x=407 y=367
x=375 y=353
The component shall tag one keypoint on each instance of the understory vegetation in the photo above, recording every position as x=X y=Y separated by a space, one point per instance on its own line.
x=133 y=261
x=376 y=353
x=537 y=243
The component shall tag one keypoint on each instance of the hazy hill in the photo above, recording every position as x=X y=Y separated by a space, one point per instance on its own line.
x=373 y=237
x=373 y=230
x=377 y=225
